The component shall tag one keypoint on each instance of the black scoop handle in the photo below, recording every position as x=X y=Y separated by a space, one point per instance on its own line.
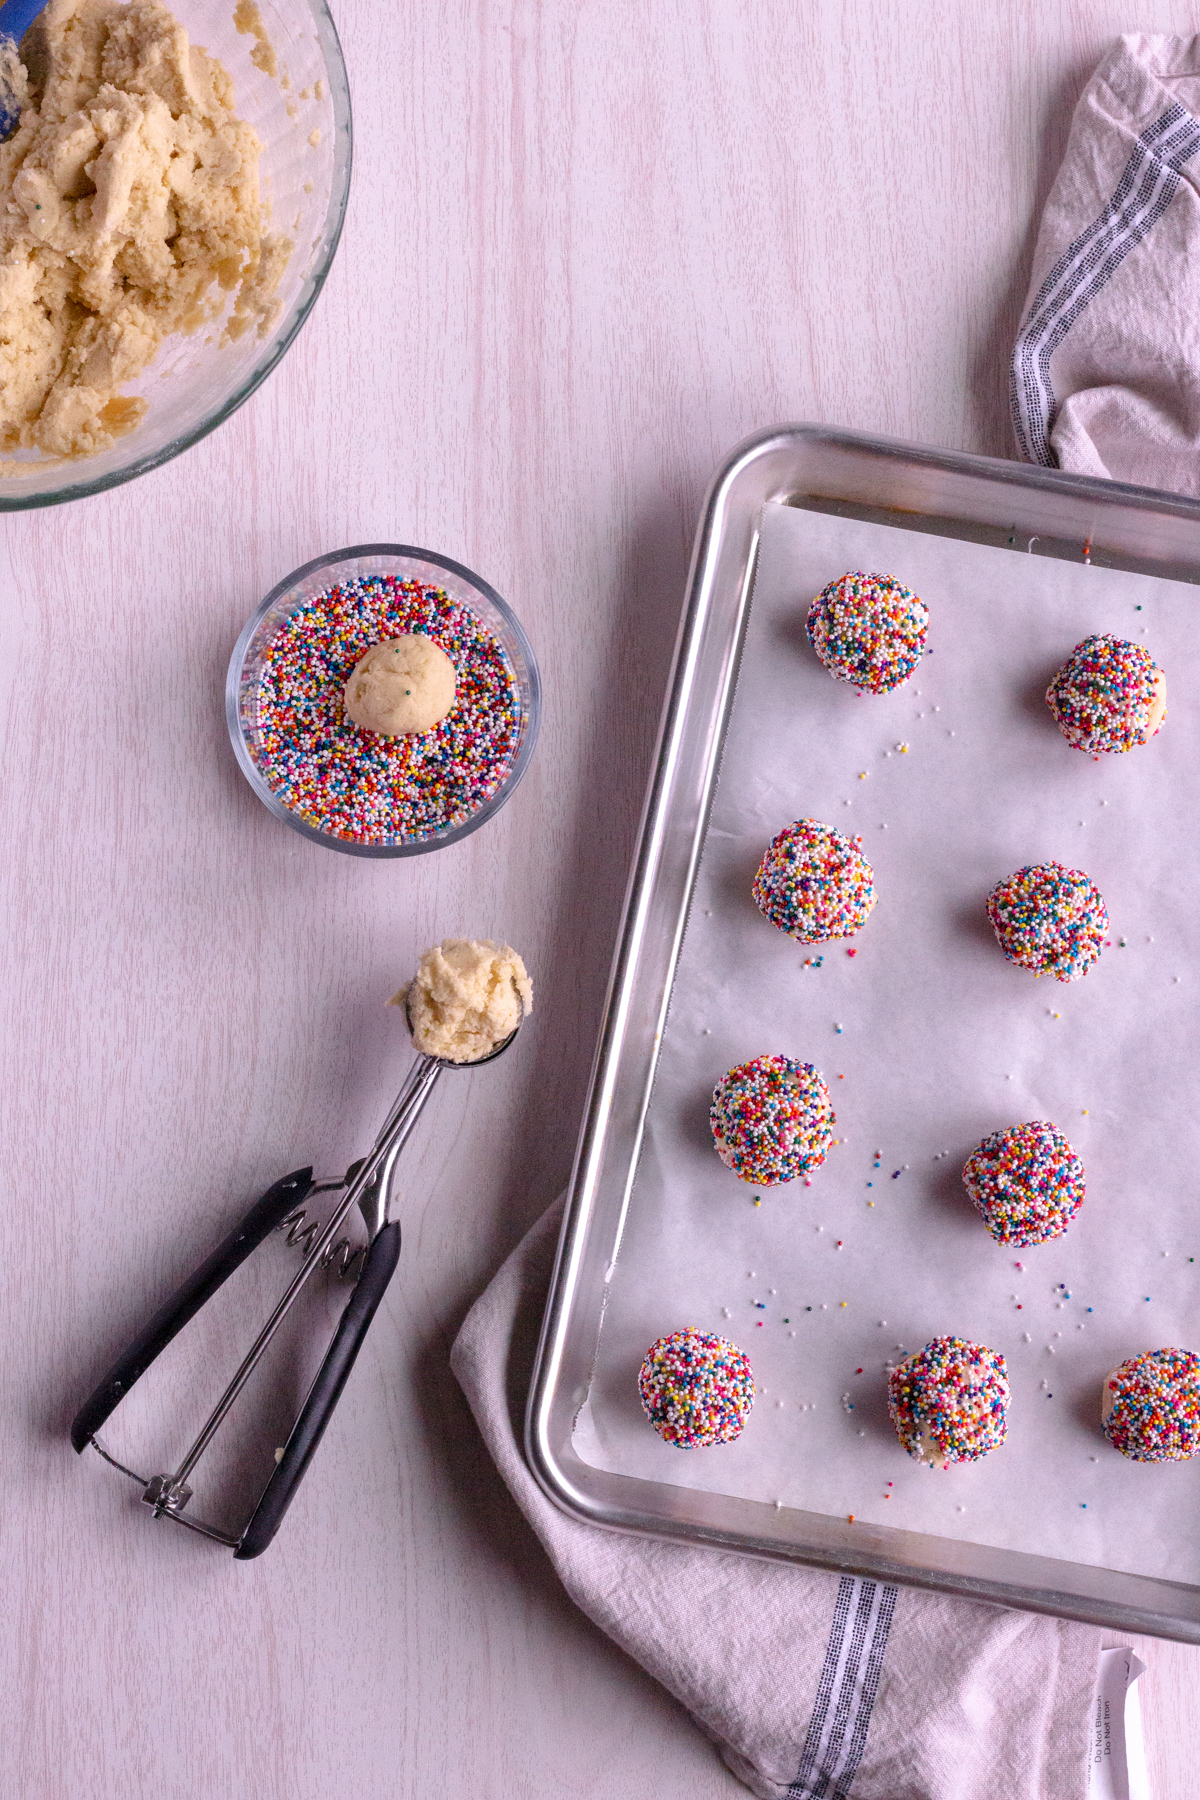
x=324 y=1394
x=186 y=1301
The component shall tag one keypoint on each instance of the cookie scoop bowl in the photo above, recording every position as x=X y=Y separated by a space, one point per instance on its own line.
x=196 y=381
x=245 y=711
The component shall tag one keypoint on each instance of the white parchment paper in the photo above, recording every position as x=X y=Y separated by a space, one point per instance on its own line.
x=929 y=1040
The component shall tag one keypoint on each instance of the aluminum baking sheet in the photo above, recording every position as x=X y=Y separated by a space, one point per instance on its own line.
x=928 y=1038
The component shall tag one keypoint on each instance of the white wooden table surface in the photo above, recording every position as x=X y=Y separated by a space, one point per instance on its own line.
x=591 y=244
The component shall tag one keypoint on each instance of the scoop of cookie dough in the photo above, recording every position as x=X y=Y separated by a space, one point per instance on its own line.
x=467 y=996
x=1151 y=1406
x=402 y=687
x=1109 y=695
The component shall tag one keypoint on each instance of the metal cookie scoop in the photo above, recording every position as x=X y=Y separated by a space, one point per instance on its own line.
x=367 y=1185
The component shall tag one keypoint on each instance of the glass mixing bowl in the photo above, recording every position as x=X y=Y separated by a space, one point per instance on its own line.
x=196 y=382
x=242 y=686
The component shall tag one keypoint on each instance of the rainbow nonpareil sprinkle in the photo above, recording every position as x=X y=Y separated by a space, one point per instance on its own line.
x=814 y=883
x=1152 y=1407
x=1109 y=695
x=360 y=785
x=697 y=1388
x=868 y=630
x=1050 y=919
x=1026 y=1182
x=949 y=1402
x=772 y=1120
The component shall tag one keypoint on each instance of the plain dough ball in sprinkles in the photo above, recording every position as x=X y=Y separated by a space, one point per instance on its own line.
x=1050 y=919
x=1151 y=1407
x=949 y=1402
x=1027 y=1183
x=403 y=687
x=1109 y=695
x=814 y=884
x=697 y=1389
x=360 y=785
x=772 y=1119
x=868 y=630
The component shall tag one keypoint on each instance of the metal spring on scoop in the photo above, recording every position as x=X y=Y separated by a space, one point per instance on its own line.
x=342 y=1256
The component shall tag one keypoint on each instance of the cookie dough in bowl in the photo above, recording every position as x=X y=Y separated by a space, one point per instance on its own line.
x=401 y=688
x=173 y=196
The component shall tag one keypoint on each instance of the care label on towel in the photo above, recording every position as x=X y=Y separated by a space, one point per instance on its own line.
x=1117 y=1759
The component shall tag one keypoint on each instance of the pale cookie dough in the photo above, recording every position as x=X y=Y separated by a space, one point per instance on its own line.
x=403 y=686
x=249 y=21
x=468 y=995
x=129 y=210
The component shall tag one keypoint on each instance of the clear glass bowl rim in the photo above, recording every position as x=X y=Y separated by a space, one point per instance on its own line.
x=233 y=687
x=81 y=486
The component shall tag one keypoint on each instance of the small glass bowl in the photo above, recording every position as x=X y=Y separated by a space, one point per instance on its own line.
x=406 y=563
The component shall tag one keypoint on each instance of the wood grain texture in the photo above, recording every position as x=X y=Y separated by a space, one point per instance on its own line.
x=591 y=245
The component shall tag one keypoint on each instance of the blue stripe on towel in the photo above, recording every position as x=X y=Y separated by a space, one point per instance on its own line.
x=1148 y=184
x=841 y=1716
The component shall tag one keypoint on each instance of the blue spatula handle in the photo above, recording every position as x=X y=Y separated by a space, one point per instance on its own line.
x=16 y=16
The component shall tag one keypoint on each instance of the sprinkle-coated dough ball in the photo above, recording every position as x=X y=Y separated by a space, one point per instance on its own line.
x=949 y=1402
x=814 y=883
x=401 y=688
x=1049 y=919
x=1151 y=1406
x=1027 y=1182
x=772 y=1119
x=868 y=630
x=1109 y=695
x=697 y=1389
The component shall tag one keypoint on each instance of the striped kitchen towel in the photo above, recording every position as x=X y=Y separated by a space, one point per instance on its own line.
x=813 y=1686
x=1106 y=368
